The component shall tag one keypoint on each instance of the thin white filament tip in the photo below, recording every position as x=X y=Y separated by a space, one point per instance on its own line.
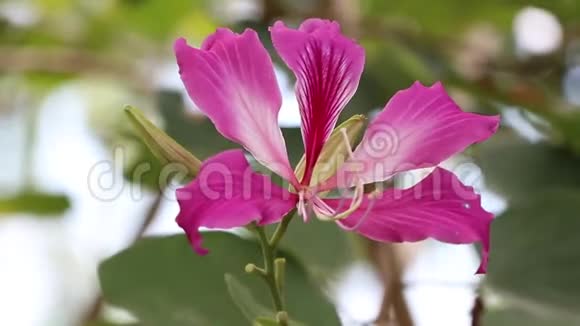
x=346 y=142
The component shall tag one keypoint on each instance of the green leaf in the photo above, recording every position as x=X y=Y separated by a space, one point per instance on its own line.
x=105 y=323
x=163 y=147
x=156 y=19
x=163 y=282
x=335 y=151
x=33 y=202
x=567 y=124
x=310 y=242
x=265 y=322
x=244 y=299
x=535 y=261
x=249 y=306
x=516 y=169
x=450 y=17
x=517 y=317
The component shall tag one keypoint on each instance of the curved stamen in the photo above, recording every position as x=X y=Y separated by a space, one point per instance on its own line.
x=354 y=205
x=347 y=142
x=360 y=222
x=321 y=209
x=322 y=206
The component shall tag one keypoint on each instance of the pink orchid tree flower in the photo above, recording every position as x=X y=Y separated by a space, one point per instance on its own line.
x=231 y=79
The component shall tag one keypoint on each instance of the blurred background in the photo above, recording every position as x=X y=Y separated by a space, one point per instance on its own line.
x=77 y=186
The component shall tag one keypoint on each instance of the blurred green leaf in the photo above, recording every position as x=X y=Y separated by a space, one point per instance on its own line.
x=163 y=282
x=517 y=169
x=146 y=169
x=390 y=66
x=323 y=246
x=265 y=322
x=105 y=323
x=196 y=25
x=254 y=311
x=163 y=147
x=535 y=261
x=43 y=82
x=156 y=19
x=517 y=317
x=393 y=57
x=444 y=16
x=452 y=16
x=34 y=202
x=568 y=124
x=243 y=298
x=294 y=144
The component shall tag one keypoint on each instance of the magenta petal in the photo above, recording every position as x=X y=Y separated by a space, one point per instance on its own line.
x=419 y=127
x=440 y=207
x=328 y=67
x=231 y=79
x=227 y=193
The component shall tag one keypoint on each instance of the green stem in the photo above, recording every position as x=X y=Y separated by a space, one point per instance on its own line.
x=269 y=276
x=281 y=229
x=279 y=272
x=273 y=271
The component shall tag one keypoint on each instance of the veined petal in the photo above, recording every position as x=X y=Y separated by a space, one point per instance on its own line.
x=327 y=66
x=231 y=79
x=419 y=127
x=440 y=207
x=227 y=193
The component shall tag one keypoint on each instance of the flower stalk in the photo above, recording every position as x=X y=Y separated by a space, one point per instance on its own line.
x=274 y=267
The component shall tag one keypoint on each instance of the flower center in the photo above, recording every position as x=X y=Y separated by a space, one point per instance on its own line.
x=305 y=195
x=308 y=198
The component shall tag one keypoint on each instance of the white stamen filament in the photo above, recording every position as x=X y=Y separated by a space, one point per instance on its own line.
x=354 y=205
x=327 y=213
x=323 y=207
x=302 y=206
x=346 y=142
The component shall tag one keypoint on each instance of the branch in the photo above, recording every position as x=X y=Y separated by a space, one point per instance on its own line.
x=477 y=311
x=26 y=59
x=386 y=260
